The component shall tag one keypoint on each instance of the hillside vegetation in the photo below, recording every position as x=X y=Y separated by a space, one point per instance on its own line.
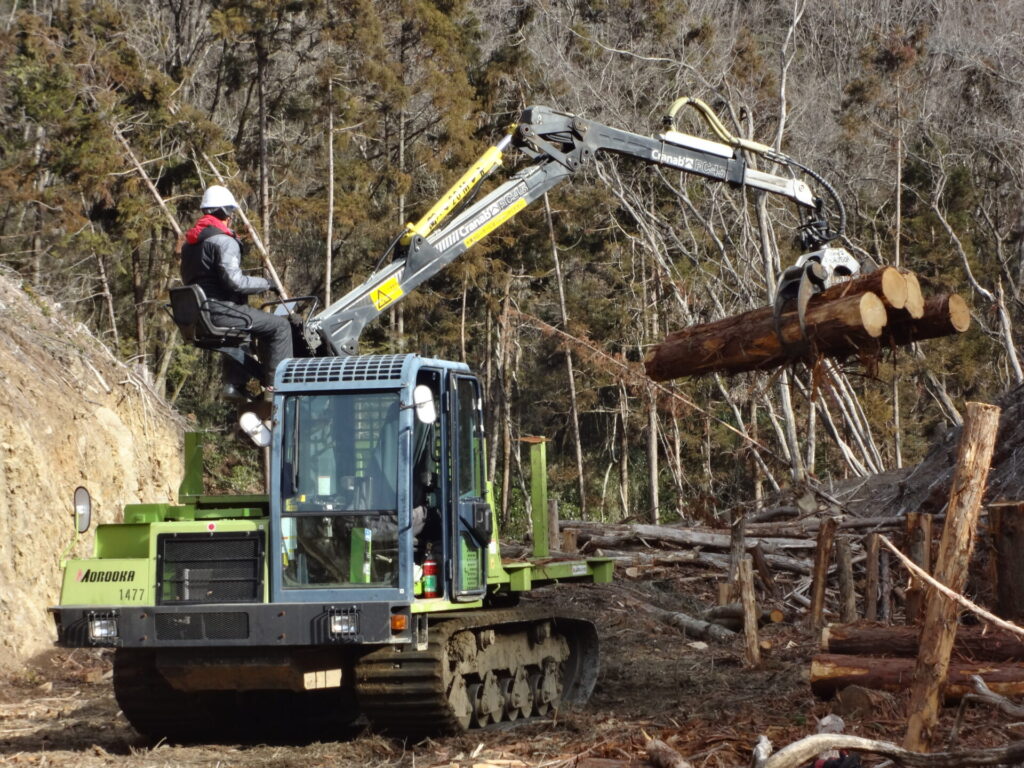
x=339 y=121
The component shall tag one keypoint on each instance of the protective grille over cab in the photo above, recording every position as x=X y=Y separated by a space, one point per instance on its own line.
x=324 y=370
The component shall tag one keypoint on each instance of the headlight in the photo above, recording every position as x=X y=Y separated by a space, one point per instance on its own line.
x=344 y=624
x=102 y=629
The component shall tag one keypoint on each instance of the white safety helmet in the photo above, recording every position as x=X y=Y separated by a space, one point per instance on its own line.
x=217 y=196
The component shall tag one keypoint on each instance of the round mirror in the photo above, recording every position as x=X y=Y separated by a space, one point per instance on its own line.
x=257 y=430
x=423 y=402
x=83 y=509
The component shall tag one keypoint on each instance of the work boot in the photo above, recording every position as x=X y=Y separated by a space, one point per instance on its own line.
x=232 y=393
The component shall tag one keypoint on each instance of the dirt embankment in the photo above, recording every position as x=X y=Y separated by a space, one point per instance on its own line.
x=70 y=414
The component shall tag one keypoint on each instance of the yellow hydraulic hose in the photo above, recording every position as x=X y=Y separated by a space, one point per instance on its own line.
x=718 y=128
x=477 y=172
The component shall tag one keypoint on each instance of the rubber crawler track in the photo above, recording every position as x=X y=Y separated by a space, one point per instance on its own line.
x=157 y=710
x=402 y=691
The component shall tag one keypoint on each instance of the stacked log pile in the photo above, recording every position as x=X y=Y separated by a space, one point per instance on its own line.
x=884 y=308
x=883 y=657
x=782 y=553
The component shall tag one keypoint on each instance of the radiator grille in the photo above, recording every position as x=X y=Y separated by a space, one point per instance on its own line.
x=202 y=626
x=210 y=568
x=318 y=370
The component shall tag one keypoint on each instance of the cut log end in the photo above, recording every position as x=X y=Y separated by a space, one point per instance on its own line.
x=872 y=314
x=959 y=314
x=915 y=298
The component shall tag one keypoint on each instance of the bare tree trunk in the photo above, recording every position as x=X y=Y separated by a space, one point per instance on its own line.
x=262 y=60
x=652 y=457
x=108 y=299
x=1006 y=332
x=897 y=428
x=329 y=249
x=398 y=314
x=138 y=299
x=624 y=450
x=574 y=417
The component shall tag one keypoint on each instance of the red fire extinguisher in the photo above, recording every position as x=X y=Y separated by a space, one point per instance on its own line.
x=430 y=576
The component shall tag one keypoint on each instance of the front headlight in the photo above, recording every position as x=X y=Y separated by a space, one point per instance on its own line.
x=102 y=629
x=344 y=623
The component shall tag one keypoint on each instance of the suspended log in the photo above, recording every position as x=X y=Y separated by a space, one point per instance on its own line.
x=890 y=284
x=749 y=341
x=972 y=643
x=830 y=673
x=944 y=315
x=915 y=299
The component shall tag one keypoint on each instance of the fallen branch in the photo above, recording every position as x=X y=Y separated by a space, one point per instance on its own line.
x=695 y=628
x=807 y=749
x=985 y=695
x=973 y=607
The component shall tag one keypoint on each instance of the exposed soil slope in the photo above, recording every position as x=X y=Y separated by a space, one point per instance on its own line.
x=70 y=414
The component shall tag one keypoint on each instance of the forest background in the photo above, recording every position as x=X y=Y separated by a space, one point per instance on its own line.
x=340 y=120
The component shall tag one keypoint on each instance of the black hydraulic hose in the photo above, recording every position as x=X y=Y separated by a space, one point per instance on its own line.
x=389 y=249
x=840 y=208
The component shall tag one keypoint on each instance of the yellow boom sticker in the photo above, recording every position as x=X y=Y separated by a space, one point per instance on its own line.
x=387 y=292
x=496 y=222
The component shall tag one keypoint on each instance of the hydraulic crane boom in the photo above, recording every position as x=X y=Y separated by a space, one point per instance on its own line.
x=558 y=144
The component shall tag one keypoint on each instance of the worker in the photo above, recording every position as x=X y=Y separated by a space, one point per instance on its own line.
x=212 y=259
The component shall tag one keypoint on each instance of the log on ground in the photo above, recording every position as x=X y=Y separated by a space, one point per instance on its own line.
x=830 y=673
x=749 y=341
x=972 y=642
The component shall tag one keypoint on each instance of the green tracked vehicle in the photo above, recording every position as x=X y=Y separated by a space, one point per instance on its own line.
x=367 y=581
x=311 y=602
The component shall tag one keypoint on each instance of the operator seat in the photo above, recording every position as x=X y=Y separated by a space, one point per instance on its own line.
x=190 y=310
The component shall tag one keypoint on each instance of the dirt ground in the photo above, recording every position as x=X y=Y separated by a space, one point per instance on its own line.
x=655 y=682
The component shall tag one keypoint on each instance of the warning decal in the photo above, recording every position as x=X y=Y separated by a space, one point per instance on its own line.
x=386 y=293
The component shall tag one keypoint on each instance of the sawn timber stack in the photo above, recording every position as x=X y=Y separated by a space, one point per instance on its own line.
x=884 y=308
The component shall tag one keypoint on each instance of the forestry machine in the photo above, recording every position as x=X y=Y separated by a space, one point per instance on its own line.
x=368 y=580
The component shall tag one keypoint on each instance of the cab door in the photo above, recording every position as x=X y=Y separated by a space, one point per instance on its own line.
x=471 y=528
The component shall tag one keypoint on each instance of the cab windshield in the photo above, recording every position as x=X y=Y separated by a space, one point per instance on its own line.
x=339 y=485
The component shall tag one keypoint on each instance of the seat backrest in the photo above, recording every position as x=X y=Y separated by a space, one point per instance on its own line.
x=191 y=313
x=186 y=309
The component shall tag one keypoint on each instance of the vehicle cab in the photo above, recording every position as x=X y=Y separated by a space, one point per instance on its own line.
x=377 y=469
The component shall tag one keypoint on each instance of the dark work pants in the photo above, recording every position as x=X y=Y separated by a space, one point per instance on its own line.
x=273 y=333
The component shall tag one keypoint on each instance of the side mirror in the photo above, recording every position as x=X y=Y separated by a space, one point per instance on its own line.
x=257 y=431
x=423 y=402
x=83 y=509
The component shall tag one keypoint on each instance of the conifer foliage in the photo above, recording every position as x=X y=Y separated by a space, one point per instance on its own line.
x=910 y=109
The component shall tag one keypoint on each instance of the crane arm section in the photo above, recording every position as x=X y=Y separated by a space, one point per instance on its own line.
x=558 y=145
